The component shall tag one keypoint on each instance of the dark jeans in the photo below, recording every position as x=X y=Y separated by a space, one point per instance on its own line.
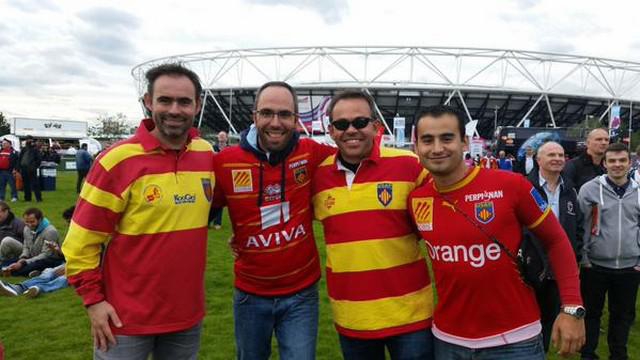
x=82 y=173
x=38 y=265
x=622 y=288
x=417 y=345
x=6 y=176
x=548 y=299
x=31 y=182
x=524 y=350
x=217 y=216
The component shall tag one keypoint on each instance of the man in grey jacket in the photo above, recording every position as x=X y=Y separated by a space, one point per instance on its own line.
x=39 y=251
x=611 y=252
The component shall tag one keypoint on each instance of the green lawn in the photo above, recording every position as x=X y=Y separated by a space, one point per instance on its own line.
x=54 y=326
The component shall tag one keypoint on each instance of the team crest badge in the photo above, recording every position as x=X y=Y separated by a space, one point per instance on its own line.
x=242 y=181
x=300 y=174
x=423 y=213
x=385 y=193
x=152 y=194
x=208 y=190
x=485 y=212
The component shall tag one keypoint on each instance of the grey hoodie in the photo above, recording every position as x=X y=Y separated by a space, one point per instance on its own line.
x=612 y=240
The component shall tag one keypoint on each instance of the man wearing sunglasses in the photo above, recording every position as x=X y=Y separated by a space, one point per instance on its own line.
x=377 y=277
x=266 y=184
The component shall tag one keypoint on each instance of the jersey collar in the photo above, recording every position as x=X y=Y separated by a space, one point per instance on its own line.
x=462 y=183
x=150 y=142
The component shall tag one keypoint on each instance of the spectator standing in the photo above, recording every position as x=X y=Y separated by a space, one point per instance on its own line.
x=611 y=252
x=8 y=163
x=50 y=155
x=504 y=163
x=589 y=164
x=527 y=164
x=562 y=199
x=29 y=162
x=217 y=212
x=83 y=164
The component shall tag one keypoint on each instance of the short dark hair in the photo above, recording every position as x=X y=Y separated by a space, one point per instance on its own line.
x=35 y=212
x=84 y=146
x=351 y=94
x=440 y=110
x=281 y=84
x=172 y=69
x=68 y=213
x=617 y=147
x=4 y=205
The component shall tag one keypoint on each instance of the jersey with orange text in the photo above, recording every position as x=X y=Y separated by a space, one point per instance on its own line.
x=482 y=301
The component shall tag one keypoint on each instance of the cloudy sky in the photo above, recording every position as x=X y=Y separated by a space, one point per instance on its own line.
x=73 y=59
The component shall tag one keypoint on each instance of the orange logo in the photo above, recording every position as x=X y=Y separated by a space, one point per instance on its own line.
x=152 y=193
x=423 y=213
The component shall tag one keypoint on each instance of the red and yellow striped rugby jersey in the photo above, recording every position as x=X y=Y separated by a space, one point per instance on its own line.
x=148 y=207
x=377 y=277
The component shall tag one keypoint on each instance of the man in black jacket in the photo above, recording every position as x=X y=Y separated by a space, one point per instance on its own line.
x=562 y=198
x=589 y=164
x=30 y=158
x=11 y=234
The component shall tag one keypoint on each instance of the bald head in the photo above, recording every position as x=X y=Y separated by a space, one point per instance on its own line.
x=597 y=142
x=550 y=158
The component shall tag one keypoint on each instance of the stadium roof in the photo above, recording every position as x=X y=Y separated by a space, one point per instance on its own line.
x=494 y=86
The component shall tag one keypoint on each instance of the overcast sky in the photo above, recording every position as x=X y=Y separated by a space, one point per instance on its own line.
x=73 y=59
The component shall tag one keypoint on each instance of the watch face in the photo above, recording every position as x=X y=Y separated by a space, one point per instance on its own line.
x=580 y=312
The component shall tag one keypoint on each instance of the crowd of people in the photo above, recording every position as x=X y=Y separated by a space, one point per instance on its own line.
x=150 y=198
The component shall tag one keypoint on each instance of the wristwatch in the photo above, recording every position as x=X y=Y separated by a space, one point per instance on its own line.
x=576 y=311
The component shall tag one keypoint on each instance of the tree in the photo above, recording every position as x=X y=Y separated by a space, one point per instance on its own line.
x=111 y=126
x=5 y=128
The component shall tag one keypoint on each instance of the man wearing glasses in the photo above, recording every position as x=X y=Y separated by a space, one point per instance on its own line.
x=265 y=183
x=377 y=277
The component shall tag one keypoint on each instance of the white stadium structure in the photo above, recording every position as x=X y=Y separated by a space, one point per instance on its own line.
x=496 y=87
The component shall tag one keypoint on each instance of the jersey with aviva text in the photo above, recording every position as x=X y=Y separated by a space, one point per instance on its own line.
x=482 y=302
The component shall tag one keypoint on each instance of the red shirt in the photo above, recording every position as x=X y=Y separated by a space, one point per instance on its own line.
x=482 y=302
x=278 y=254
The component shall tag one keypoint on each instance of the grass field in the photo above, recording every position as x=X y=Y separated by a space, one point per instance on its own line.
x=55 y=326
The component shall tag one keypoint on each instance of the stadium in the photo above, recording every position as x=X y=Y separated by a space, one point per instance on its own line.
x=497 y=87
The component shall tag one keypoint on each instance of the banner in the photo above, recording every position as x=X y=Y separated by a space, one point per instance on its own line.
x=313 y=109
x=614 y=123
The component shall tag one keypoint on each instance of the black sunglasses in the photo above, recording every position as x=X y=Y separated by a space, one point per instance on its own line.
x=357 y=123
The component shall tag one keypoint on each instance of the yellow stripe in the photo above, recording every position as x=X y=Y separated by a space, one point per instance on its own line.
x=384 y=313
x=200 y=145
x=104 y=199
x=423 y=174
x=303 y=156
x=540 y=219
x=121 y=153
x=361 y=197
x=467 y=179
x=387 y=152
x=248 y=196
x=330 y=160
x=373 y=254
x=82 y=248
x=162 y=212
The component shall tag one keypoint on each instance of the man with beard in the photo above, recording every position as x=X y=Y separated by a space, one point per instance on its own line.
x=471 y=220
x=143 y=210
x=377 y=277
x=265 y=183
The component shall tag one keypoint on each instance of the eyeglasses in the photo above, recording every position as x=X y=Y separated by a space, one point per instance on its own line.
x=357 y=123
x=269 y=114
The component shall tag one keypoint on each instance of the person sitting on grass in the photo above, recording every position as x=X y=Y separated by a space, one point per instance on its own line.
x=50 y=280
x=38 y=251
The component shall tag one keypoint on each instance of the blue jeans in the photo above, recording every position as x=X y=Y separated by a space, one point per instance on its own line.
x=531 y=349
x=293 y=318
x=183 y=345
x=417 y=345
x=7 y=177
x=47 y=282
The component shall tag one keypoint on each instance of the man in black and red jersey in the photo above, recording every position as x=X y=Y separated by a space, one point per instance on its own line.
x=265 y=183
x=471 y=220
